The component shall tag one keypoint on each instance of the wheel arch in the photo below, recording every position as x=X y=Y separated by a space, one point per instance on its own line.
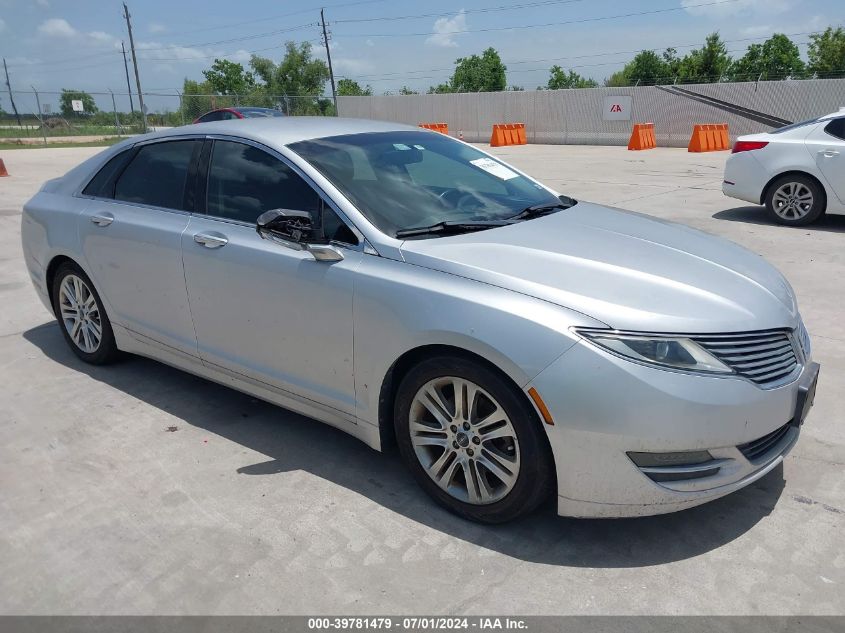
x=402 y=365
x=793 y=172
x=52 y=268
x=50 y=273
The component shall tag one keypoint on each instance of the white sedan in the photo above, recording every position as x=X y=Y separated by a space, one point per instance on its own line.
x=797 y=171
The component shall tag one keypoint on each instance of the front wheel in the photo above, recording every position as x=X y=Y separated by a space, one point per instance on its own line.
x=472 y=440
x=795 y=200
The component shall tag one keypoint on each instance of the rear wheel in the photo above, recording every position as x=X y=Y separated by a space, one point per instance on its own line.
x=80 y=313
x=471 y=440
x=795 y=200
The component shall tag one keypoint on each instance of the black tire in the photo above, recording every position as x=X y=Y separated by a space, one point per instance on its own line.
x=816 y=210
x=535 y=478
x=107 y=351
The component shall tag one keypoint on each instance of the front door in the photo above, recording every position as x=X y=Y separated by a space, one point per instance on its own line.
x=260 y=309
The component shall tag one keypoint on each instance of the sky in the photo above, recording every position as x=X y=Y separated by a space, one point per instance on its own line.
x=55 y=44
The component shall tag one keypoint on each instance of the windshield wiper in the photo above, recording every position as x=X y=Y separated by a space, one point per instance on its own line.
x=452 y=227
x=543 y=209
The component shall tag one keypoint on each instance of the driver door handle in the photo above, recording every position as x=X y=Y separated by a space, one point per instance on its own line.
x=211 y=241
x=828 y=153
x=102 y=220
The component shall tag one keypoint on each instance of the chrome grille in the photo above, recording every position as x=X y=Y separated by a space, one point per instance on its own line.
x=766 y=358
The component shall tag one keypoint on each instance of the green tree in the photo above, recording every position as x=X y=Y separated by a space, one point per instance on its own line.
x=826 y=53
x=705 y=64
x=484 y=73
x=195 y=99
x=404 y=90
x=646 y=69
x=88 y=104
x=671 y=63
x=351 y=88
x=229 y=78
x=440 y=89
x=559 y=79
x=775 y=58
x=617 y=80
x=298 y=80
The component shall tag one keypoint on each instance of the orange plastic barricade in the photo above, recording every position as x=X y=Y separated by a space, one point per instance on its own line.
x=642 y=136
x=443 y=128
x=508 y=134
x=709 y=137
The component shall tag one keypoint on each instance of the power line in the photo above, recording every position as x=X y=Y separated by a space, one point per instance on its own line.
x=405 y=73
x=165 y=47
x=276 y=17
x=548 y=24
x=509 y=7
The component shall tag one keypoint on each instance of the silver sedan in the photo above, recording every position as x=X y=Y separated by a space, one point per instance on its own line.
x=413 y=290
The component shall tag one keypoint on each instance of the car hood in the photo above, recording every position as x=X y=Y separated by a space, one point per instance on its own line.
x=628 y=270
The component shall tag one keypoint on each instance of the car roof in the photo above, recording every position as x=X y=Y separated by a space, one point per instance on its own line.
x=278 y=131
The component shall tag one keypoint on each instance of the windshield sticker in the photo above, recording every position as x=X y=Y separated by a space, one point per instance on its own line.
x=401 y=146
x=492 y=167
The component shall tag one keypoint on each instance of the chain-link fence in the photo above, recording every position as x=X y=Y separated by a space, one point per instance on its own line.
x=43 y=115
x=577 y=116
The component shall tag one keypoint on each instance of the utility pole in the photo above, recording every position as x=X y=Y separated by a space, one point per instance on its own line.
x=11 y=98
x=39 y=116
x=128 y=83
x=329 y=58
x=135 y=63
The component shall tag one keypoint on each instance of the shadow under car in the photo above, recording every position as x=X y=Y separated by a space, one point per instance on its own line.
x=293 y=442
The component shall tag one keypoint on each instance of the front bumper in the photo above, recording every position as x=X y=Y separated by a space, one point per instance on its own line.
x=605 y=407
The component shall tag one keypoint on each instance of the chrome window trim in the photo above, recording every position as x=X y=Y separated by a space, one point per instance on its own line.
x=297 y=170
x=786 y=380
x=131 y=147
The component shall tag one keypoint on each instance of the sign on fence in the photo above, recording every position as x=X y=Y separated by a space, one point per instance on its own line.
x=616 y=108
x=77 y=106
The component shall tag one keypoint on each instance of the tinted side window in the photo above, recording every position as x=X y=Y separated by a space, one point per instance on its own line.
x=102 y=185
x=211 y=116
x=157 y=175
x=836 y=128
x=244 y=182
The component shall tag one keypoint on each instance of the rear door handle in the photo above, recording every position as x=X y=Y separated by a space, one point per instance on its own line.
x=211 y=240
x=828 y=153
x=102 y=220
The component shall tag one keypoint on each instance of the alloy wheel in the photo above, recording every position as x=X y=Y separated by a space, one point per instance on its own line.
x=464 y=440
x=792 y=201
x=80 y=314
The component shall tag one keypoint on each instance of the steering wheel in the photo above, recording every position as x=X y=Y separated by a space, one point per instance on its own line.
x=460 y=200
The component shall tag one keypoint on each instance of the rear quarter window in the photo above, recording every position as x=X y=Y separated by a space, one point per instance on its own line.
x=102 y=184
x=836 y=128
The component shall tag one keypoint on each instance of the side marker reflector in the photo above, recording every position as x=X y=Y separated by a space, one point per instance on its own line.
x=544 y=410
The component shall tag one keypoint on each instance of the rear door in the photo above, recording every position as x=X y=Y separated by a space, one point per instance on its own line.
x=131 y=240
x=826 y=144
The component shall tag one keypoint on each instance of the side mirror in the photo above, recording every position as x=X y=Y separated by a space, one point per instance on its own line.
x=295 y=230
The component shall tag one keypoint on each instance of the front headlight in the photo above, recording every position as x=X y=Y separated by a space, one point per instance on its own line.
x=664 y=351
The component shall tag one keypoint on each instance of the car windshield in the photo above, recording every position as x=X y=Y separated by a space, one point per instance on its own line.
x=408 y=179
x=258 y=113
